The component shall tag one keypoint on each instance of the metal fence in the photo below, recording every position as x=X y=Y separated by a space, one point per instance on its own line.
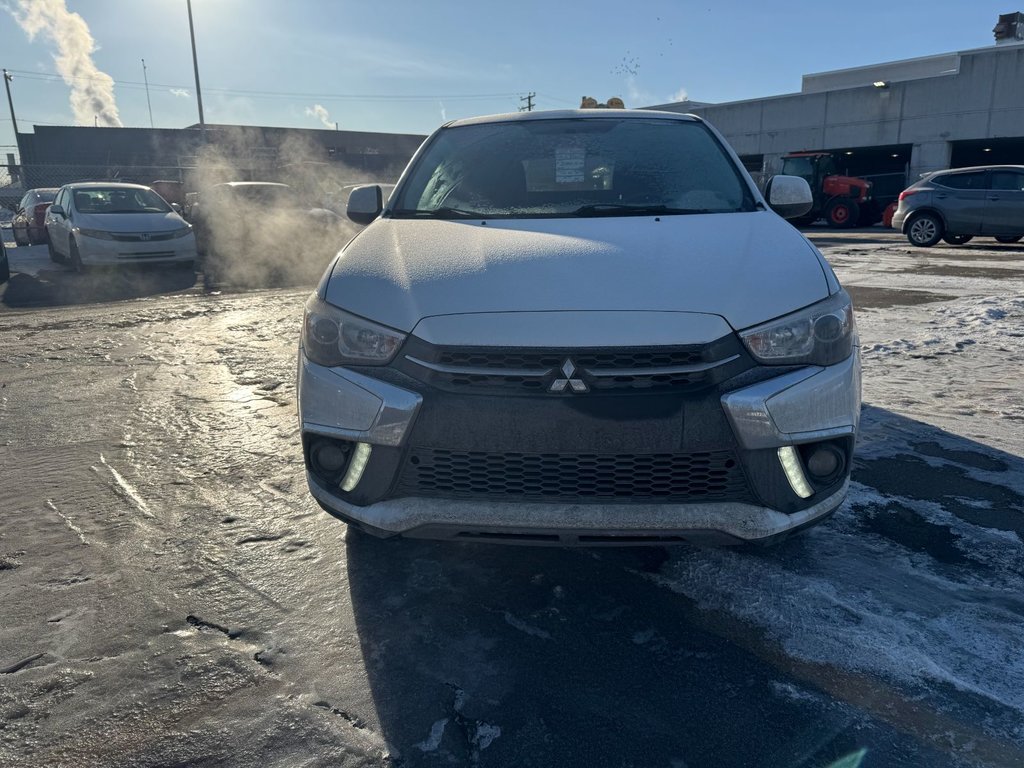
x=321 y=183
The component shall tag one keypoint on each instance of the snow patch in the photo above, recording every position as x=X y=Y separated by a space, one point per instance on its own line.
x=522 y=626
x=127 y=489
x=433 y=741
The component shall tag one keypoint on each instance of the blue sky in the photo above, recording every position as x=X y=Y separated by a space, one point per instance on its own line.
x=464 y=58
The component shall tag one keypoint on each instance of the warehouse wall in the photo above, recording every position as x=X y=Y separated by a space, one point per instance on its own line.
x=980 y=97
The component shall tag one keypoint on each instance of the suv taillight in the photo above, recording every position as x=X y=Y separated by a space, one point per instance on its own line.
x=40 y=209
x=908 y=192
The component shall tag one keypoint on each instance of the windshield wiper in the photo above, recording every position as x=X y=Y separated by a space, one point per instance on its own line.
x=441 y=213
x=625 y=209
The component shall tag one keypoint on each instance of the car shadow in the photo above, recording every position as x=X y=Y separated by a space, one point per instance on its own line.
x=479 y=654
x=60 y=286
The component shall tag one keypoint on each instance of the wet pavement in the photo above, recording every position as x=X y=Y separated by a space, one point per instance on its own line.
x=172 y=596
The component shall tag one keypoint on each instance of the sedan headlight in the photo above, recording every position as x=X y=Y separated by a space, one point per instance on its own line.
x=98 y=234
x=822 y=334
x=332 y=337
x=183 y=232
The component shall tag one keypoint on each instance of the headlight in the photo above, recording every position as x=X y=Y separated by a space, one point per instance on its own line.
x=98 y=234
x=822 y=334
x=183 y=232
x=332 y=337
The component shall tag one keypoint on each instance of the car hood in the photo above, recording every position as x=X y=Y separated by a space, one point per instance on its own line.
x=130 y=222
x=744 y=267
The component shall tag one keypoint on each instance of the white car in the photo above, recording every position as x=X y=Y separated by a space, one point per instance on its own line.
x=104 y=223
x=579 y=327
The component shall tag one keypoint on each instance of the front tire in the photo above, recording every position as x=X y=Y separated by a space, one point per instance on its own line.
x=76 y=258
x=1008 y=239
x=957 y=239
x=842 y=214
x=55 y=257
x=924 y=230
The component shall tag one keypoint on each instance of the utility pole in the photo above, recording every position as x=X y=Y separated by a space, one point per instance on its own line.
x=528 y=98
x=195 y=65
x=8 y=77
x=148 y=102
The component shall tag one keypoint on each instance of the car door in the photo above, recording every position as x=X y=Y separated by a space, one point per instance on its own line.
x=1004 y=214
x=58 y=225
x=962 y=200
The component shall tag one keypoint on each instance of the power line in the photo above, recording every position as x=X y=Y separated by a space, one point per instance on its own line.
x=34 y=122
x=132 y=84
x=558 y=100
x=528 y=98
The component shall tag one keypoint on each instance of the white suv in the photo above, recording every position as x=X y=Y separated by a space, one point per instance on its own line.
x=579 y=327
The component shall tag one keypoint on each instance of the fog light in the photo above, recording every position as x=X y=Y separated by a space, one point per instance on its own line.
x=790 y=461
x=825 y=462
x=328 y=457
x=356 y=467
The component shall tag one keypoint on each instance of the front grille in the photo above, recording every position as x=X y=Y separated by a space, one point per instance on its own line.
x=616 y=369
x=701 y=476
x=127 y=238
x=652 y=357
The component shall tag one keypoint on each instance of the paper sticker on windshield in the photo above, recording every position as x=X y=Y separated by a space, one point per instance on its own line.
x=570 y=164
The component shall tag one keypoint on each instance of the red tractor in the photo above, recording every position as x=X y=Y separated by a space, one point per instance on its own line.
x=843 y=201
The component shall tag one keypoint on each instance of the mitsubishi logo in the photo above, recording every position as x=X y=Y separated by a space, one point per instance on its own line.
x=575 y=384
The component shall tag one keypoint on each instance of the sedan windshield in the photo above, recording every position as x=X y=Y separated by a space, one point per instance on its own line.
x=573 y=167
x=98 y=200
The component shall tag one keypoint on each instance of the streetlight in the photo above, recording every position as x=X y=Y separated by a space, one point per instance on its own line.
x=8 y=77
x=195 y=65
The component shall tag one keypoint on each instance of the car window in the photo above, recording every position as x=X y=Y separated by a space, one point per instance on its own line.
x=559 y=167
x=1007 y=181
x=798 y=166
x=23 y=203
x=974 y=180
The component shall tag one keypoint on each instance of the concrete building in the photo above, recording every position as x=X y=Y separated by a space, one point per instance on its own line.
x=904 y=117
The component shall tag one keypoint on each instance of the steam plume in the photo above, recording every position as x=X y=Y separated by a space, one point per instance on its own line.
x=320 y=113
x=92 y=91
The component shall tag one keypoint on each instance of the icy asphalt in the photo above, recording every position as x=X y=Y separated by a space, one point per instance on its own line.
x=171 y=596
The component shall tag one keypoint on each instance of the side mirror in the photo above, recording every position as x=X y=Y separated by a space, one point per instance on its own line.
x=789 y=196
x=56 y=210
x=365 y=204
x=176 y=207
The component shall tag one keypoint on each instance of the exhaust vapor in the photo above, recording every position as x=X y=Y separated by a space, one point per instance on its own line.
x=320 y=113
x=92 y=91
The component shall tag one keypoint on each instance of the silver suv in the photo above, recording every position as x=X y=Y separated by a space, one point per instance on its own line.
x=958 y=205
x=579 y=327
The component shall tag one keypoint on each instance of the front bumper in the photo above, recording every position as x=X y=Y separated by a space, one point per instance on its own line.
x=800 y=407
x=96 y=252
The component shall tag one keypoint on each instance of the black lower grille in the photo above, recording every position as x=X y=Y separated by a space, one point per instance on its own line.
x=703 y=476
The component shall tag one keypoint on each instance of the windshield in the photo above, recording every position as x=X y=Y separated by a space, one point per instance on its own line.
x=574 y=167
x=99 y=200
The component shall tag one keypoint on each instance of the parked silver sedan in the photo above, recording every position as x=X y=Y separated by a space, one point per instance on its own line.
x=958 y=205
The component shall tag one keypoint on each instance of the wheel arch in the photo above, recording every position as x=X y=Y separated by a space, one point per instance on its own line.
x=925 y=209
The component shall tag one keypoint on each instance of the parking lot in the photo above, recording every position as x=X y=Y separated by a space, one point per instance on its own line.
x=173 y=596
